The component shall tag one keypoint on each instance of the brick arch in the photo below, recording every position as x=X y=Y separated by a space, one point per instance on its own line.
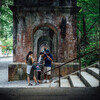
x=52 y=27
x=44 y=25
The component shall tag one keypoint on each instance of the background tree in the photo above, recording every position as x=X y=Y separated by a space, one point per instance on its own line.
x=88 y=26
x=6 y=24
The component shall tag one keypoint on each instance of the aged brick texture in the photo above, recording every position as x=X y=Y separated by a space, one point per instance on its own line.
x=39 y=25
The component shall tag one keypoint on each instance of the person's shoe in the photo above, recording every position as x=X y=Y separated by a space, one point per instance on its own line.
x=44 y=81
x=37 y=83
x=48 y=81
x=51 y=80
x=29 y=84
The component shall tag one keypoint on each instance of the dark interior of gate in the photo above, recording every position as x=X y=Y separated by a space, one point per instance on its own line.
x=43 y=38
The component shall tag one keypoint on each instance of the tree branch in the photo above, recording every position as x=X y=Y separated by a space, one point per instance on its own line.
x=79 y=29
x=92 y=26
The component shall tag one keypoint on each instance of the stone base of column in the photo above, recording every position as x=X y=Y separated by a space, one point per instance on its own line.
x=17 y=71
x=65 y=70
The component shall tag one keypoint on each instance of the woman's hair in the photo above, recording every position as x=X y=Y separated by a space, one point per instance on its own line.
x=30 y=52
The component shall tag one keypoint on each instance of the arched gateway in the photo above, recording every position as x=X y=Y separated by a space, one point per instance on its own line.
x=45 y=36
x=45 y=23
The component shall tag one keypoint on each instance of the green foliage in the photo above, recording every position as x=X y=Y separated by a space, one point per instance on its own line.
x=6 y=20
x=8 y=43
x=90 y=11
x=6 y=24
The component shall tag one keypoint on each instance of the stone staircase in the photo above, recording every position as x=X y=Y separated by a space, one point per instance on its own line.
x=88 y=77
x=88 y=81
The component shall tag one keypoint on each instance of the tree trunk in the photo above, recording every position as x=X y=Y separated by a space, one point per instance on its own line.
x=84 y=31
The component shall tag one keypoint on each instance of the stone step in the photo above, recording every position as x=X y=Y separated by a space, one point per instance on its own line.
x=75 y=81
x=89 y=80
x=54 y=84
x=50 y=93
x=98 y=66
x=65 y=83
x=94 y=72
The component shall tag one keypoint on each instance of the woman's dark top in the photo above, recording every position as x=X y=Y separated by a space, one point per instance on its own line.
x=29 y=62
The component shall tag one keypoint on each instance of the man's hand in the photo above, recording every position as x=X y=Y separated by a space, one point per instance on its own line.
x=49 y=58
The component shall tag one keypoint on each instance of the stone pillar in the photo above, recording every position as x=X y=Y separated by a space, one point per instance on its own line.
x=72 y=39
x=68 y=44
x=22 y=38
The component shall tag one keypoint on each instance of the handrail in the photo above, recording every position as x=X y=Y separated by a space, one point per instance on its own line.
x=70 y=61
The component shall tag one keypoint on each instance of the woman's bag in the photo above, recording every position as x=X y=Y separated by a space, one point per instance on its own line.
x=34 y=66
x=38 y=68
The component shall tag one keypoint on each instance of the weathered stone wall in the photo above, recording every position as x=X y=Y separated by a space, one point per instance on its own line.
x=17 y=71
x=29 y=19
x=64 y=70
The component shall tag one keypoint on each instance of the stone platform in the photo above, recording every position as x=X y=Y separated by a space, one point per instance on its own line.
x=65 y=70
x=17 y=71
x=22 y=84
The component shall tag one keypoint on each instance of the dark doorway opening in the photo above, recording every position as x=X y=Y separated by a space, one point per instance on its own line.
x=45 y=37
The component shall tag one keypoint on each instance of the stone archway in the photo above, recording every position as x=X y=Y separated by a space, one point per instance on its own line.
x=44 y=42
x=49 y=31
x=45 y=25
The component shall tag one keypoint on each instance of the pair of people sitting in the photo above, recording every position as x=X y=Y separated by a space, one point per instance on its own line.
x=44 y=57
